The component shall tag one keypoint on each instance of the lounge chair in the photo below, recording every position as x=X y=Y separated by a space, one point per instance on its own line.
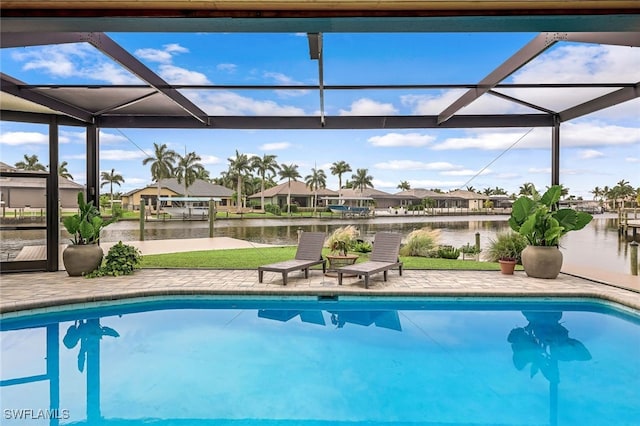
x=384 y=256
x=308 y=254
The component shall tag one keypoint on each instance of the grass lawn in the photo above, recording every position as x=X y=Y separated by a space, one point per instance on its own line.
x=252 y=258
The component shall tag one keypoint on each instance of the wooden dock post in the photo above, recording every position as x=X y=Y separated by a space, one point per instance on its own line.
x=142 y=203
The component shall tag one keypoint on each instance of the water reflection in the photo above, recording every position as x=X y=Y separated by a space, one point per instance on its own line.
x=384 y=319
x=542 y=343
x=88 y=333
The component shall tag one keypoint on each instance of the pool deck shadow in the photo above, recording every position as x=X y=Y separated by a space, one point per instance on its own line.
x=48 y=290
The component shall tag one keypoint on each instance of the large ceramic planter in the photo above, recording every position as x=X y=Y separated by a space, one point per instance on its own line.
x=542 y=261
x=82 y=259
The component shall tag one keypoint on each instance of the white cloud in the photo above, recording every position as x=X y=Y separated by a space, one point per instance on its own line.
x=632 y=160
x=76 y=60
x=489 y=140
x=154 y=55
x=561 y=64
x=590 y=153
x=547 y=171
x=23 y=138
x=577 y=135
x=209 y=159
x=230 y=68
x=284 y=80
x=586 y=63
x=178 y=75
x=429 y=183
x=367 y=106
x=415 y=165
x=110 y=138
x=275 y=146
x=163 y=56
x=112 y=73
x=121 y=154
x=58 y=60
x=280 y=78
x=576 y=63
x=400 y=139
x=435 y=104
x=229 y=103
x=175 y=48
x=465 y=172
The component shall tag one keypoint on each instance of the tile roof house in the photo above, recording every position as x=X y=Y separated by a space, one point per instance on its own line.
x=171 y=188
x=301 y=194
x=25 y=192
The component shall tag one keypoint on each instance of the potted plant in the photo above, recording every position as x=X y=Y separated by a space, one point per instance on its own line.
x=84 y=254
x=506 y=249
x=543 y=224
x=340 y=242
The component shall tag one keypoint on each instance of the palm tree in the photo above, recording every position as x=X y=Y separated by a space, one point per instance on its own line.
x=188 y=169
x=31 y=163
x=203 y=174
x=316 y=180
x=404 y=186
x=623 y=191
x=362 y=180
x=239 y=167
x=606 y=194
x=528 y=189
x=263 y=165
x=339 y=168
x=471 y=189
x=499 y=191
x=289 y=172
x=162 y=163
x=111 y=178
x=63 y=171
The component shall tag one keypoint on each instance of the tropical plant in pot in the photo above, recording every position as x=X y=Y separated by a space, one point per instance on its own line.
x=506 y=249
x=84 y=254
x=543 y=225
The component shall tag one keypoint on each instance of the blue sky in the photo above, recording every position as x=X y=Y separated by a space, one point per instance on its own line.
x=597 y=150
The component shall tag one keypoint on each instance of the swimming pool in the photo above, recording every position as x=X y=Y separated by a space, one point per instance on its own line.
x=235 y=361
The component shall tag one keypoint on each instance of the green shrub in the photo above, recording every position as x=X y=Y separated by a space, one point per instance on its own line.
x=292 y=208
x=506 y=245
x=470 y=249
x=362 y=247
x=448 y=252
x=273 y=209
x=122 y=259
x=421 y=242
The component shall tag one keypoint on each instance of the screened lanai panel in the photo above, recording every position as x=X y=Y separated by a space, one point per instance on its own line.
x=558 y=99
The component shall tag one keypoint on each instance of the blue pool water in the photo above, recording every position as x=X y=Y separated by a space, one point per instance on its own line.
x=324 y=362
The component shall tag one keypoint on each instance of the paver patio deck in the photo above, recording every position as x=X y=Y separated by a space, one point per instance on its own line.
x=47 y=290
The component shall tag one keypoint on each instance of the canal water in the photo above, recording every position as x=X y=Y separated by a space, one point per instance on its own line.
x=597 y=246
